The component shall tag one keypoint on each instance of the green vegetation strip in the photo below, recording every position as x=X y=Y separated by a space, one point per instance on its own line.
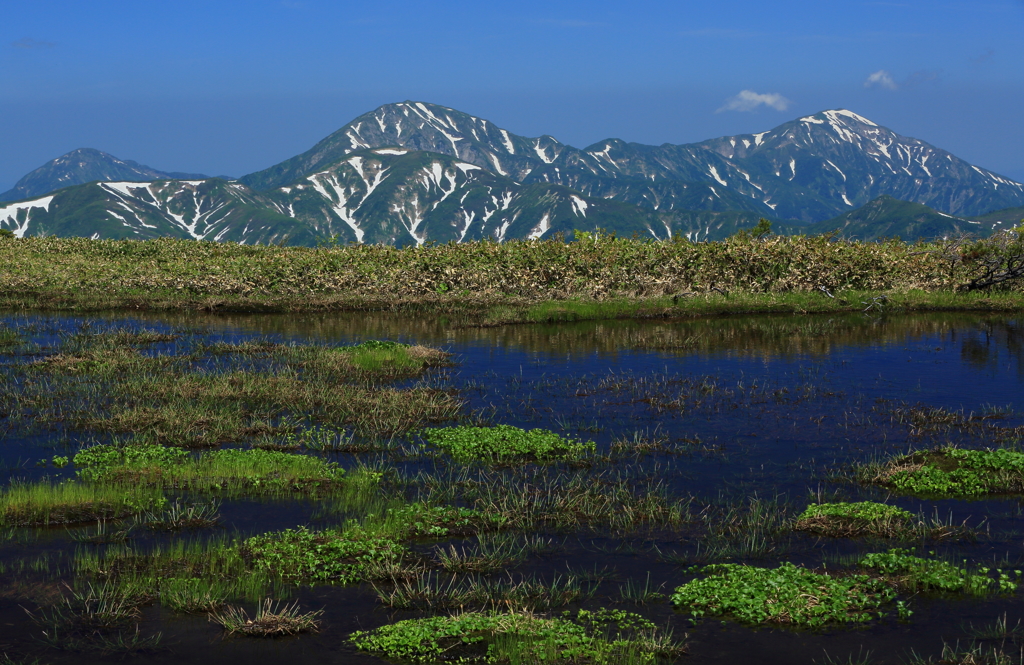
x=601 y=636
x=255 y=471
x=951 y=472
x=503 y=443
x=496 y=282
x=797 y=596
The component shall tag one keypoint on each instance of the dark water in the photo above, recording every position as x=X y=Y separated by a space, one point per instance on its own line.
x=769 y=407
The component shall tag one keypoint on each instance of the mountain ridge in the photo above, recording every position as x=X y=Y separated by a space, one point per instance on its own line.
x=411 y=172
x=86 y=165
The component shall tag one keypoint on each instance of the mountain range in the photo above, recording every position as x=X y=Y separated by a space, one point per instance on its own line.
x=412 y=172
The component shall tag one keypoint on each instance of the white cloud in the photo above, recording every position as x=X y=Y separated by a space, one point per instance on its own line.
x=748 y=100
x=882 y=79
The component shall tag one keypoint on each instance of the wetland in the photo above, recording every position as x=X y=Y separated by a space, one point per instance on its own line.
x=389 y=487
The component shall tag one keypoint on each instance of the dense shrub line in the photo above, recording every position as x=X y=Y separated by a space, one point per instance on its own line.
x=596 y=265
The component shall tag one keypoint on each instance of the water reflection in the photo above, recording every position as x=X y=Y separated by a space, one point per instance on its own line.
x=982 y=337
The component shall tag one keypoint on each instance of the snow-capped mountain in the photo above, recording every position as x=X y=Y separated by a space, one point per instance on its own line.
x=85 y=165
x=412 y=172
x=389 y=195
x=809 y=169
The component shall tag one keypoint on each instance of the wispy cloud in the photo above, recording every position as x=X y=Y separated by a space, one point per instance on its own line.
x=29 y=43
x=880 y=79
x=883 y=79
x=748 y=100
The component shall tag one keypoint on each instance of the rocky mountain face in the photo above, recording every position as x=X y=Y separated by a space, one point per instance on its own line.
x=412 y=172
x=85 y=165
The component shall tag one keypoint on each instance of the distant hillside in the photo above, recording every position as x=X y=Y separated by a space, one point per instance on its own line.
x=86 y=165
x=888 y=217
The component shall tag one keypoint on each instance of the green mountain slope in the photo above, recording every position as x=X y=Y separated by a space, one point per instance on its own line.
x=888 y=217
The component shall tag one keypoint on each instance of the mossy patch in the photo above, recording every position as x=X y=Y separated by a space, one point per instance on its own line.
x=505 y=443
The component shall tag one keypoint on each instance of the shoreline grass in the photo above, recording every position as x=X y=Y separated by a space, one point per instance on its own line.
x=45 y=503
x=491 y=284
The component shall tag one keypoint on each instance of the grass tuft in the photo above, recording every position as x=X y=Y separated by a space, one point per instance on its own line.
x=272 y=619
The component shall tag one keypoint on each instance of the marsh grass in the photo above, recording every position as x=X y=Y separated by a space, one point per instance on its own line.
x=179 y=515
x=69 y=502
x=272 y=619
x=735 y=530
x=96 y=617
x=520 y=593
x=491 y=553
x=193 y=595
x=214 y=566
x=185 y=397
x=972 y=654
x=642 y=443
x=530 y=497
x=1000 y=629
x=924 y=420
x=641 y=593
x=104 y=532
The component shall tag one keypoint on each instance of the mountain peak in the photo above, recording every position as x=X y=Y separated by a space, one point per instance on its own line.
x=837 y=116
x=84 y=165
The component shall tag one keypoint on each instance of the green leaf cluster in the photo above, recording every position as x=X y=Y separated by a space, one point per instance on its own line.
x=503 y=443
x=957 y=472
x=475 y=637
x=920 y=573
x=788 y=594
x=344 y=556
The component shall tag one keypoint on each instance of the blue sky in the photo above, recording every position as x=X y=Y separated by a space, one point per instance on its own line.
x=233 y=87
